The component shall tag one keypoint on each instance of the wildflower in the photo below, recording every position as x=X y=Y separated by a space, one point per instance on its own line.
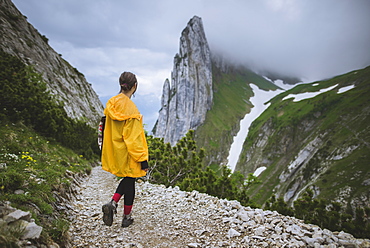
x=11 y=156
x=28 y=157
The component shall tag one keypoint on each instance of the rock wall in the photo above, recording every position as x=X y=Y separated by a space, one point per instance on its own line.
x=186 y=100
x=21 y=39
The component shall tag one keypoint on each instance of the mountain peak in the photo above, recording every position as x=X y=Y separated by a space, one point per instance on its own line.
x=187 y=98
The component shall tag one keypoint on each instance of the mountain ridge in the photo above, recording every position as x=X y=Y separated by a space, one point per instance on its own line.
x=66 y=83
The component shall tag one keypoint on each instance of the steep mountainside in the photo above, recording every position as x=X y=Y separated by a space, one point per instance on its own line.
x=321 y=142
x=21 y=39
x=232 y=93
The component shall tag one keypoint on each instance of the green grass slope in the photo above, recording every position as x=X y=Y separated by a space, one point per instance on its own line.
x=230 y=104
x=42 y=169
x=325 y=139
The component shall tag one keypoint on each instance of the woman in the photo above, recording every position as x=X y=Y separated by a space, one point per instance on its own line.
x=125 y=151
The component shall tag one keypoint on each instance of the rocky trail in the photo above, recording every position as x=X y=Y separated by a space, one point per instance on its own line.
x=169 y=217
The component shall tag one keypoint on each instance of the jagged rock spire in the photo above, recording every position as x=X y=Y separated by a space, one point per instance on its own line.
x=186 y=100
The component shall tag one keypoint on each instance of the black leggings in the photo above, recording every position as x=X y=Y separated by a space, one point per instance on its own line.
x=127 y=187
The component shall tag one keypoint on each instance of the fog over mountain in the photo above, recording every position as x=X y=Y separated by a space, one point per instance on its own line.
x=308 y=39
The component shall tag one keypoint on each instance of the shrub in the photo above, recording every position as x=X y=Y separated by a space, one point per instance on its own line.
x=182 y=165
x=25 y=98
x=330 y=215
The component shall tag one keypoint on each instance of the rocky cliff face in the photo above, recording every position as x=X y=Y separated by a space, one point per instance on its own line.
x=186 y=100
x=21 y=39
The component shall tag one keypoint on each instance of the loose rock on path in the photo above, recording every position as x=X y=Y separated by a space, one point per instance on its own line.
x=168 y=217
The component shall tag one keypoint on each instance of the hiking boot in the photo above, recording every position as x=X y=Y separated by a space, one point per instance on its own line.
x=127 y=220
x=109 y=209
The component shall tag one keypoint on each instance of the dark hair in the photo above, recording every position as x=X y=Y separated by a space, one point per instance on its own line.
x=127 y=80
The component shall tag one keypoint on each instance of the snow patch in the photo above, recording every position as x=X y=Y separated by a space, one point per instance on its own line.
x=308 y=95
x=258 y=101
x=346 y=88
x=259 y=171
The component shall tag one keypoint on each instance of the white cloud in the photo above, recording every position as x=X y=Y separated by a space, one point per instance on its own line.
x=103 y=65
x=307 y=38
x=289 y=7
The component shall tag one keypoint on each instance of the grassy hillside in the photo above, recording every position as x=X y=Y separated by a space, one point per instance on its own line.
x=42 y=169
x=230 y=104
x=42 y=150
x=331 y=130
x=25 y=98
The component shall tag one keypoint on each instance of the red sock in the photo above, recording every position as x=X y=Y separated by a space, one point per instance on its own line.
x=127 y=209
x=116 y=197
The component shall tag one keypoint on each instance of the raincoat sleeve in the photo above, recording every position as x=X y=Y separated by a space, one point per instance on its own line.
x=134 y=138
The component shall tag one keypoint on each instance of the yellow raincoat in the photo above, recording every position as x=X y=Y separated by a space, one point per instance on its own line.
x=124 y=144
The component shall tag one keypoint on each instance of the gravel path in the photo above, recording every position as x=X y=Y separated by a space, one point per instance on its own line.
x=169 y=217
x=156 y=222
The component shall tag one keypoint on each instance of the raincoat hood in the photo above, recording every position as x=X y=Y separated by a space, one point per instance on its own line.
x=121 y=108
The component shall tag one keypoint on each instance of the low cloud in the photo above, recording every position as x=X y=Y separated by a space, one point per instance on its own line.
x=310 y=39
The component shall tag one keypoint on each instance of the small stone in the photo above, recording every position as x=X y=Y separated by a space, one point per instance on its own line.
x=243 y=216
x=17 y=215
x=309 y=241
x=193 y=245
x=246 y=239
x=199 y=232
x=32 y=231
x=233 y=233
x=260 y=230
x=259 y=218
x=19 y=192
x=343 y=235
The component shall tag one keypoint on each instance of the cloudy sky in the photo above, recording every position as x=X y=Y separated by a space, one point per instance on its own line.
x=311 y=39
